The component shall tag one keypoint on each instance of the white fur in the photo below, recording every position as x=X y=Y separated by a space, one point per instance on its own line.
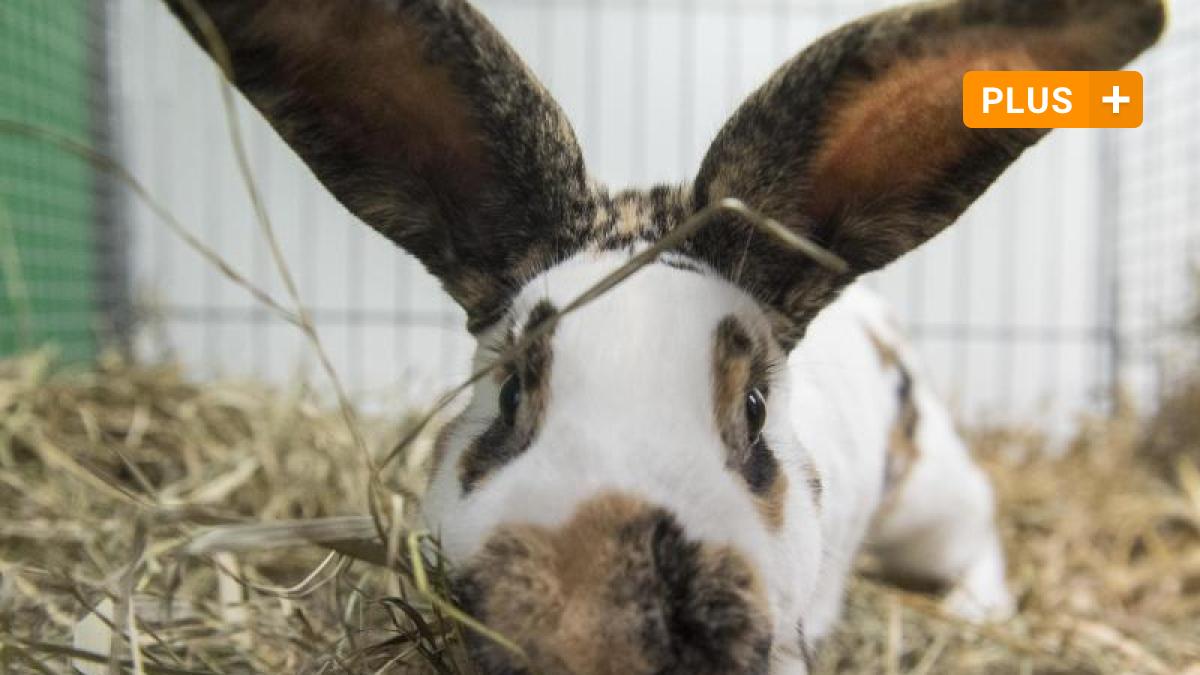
x=631 y=410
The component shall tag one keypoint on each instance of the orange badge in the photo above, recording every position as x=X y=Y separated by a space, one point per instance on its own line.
x=1052 y=99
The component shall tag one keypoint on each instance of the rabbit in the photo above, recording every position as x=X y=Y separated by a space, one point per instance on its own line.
x=675 y=478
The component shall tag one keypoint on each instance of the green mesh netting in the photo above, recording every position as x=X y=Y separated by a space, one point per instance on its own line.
x=47 y=257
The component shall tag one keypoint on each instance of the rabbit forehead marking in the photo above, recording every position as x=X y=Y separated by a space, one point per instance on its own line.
x=612 y=221
x=632 y=216
x=618 y=588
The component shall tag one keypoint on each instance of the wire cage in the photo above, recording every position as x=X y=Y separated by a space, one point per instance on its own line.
x=1068 y=278
x=62 y=269
x=1151 y=203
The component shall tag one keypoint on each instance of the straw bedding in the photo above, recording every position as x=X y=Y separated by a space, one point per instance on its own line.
x=107 y=475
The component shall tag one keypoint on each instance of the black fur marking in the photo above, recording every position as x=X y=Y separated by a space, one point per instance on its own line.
x=705 y=608
x=534 y=365
x=495 y=447
x=806 y=651
x=903 y=449
x=816 y=486
x=761 y=468
x=502 y=442
x=683 y=264
x=908 y=406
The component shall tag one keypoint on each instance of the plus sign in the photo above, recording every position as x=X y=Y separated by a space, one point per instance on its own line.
x=1116 y=100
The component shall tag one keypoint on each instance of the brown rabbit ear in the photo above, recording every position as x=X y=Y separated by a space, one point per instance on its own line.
x=420 y=119
x=859 y=142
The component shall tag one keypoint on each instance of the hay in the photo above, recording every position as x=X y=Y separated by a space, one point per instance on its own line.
x=105 y=475
x=108 y=476
x=1104 y=558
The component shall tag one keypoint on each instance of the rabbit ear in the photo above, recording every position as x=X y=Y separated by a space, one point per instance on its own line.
x=420 y=119
x=859 y=143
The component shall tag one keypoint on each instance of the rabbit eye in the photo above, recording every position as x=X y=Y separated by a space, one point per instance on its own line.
x=510 y=399
x=756 y=413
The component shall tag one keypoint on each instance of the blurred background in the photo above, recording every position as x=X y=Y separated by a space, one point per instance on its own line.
x=1069 y=281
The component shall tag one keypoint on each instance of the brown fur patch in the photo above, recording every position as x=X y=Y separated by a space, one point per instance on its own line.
x=889 y=357
x=740 y=364
x=617 y=590
x=319 y=44
x=631 y=217
x=903 y=450
x=892 y=135
x=773 y=503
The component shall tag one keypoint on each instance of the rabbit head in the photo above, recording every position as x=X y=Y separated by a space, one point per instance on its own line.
x=627 y=495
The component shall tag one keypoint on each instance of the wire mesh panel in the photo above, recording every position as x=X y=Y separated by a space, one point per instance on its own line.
x=1155 y=206
x=1012 y=308
x=50 y=286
